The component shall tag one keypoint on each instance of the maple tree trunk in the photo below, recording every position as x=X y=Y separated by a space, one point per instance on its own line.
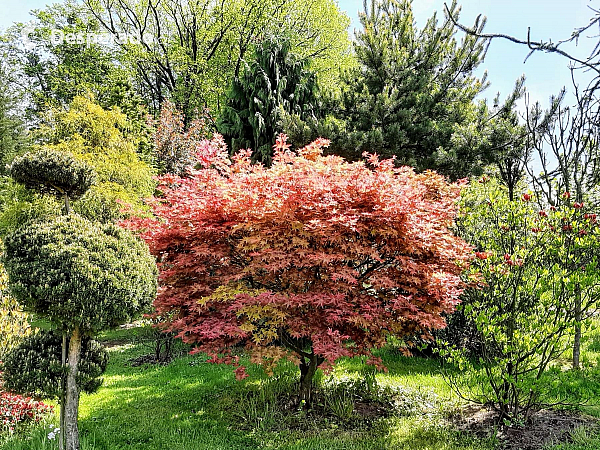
x=307 y=373
x=72 y=402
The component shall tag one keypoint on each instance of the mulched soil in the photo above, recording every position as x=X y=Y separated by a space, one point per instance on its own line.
x=546 y=427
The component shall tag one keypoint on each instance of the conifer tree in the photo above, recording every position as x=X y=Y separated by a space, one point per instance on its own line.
x=276 y=81
x=412 y=87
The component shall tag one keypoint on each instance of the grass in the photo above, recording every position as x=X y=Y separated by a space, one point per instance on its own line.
x=192 y=405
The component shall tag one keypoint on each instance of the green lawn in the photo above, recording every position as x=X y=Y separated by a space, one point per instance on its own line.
x=192 y=405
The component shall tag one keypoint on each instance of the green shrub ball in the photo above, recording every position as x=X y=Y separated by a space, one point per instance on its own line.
x=34 y=367
x=80 y=274
x=52 y=171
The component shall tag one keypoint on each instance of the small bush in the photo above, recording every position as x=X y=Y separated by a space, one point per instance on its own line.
x=17 y=410
x=34 y=367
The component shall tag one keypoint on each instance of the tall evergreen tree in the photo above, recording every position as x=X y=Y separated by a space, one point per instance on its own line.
x=276 y=81
x=412 y=87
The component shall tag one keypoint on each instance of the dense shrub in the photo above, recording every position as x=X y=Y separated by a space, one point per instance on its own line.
x=80 y=273
x=34 y=367
x=56 y=171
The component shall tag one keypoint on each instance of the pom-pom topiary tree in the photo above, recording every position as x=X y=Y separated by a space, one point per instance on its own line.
x=54 y=172
x=81 y=276
x=35 y=368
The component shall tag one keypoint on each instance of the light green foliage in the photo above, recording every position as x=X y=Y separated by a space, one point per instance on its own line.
x=54 y=73
x=12 y=133
x=529 y=270
x=14 y=323
x=206 y=42
x=80 y=274
x=276 y=82
x=411 y=89
x=53 y=171
x=34 y=366
x=102 y=138
x=19 y=205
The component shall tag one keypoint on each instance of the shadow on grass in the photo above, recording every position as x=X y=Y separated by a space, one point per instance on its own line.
x=161 y=407
x=193 y=405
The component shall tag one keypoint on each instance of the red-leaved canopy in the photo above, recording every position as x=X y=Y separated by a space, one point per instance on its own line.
x=311 y=259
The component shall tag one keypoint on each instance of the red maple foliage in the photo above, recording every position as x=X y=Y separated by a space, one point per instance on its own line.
x=312 y=259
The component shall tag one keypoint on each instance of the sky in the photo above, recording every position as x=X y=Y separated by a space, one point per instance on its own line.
x=548 y=19
x=545 y=73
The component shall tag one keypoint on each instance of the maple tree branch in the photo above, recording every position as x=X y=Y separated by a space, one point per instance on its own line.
x=287 y=341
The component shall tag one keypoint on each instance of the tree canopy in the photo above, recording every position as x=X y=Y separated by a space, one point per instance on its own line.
x=411 y=88
x=311 y=259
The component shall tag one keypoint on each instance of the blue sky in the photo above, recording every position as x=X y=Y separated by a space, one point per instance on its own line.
x=546 y=73
x=555 y=19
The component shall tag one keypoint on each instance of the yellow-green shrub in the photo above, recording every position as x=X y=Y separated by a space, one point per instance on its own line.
x=14 y=324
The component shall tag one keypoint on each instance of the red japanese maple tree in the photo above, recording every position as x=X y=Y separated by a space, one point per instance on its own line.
x=312 y=259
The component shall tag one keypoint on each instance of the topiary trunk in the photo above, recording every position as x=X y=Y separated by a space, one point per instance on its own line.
x=72 y=400
x=63 y=387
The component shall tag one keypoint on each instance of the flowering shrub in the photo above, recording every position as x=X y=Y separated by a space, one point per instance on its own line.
x=16 y=410
x=537 y=270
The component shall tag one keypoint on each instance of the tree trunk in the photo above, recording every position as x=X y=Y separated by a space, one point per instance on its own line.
x=72 y=403
x=577 y=337
x=63 y=385
x=307 y=373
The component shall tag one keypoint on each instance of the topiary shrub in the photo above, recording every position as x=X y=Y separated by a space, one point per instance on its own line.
x=79 y=273
x=34 y=367
x=81 y=276
x=53 y=171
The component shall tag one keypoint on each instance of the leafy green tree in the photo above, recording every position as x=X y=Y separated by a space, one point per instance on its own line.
x=532 y=268
x=187 y=52
x=103 y=139
x=12 y=129
x=412 y=88
x=63 y=60
x=83 y=277
x=276 y=81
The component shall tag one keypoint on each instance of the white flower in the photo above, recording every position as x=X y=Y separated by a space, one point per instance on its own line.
x=53 y=433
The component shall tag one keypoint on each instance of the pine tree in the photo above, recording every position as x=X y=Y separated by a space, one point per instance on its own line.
x=412 y=87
